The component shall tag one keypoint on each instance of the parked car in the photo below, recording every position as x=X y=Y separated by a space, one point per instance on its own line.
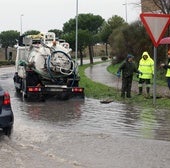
x=6 y=113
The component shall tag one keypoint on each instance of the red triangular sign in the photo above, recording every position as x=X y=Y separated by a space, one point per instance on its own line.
x=156 y=25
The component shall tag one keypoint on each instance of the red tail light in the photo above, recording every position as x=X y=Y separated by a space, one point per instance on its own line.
x=6 y=100
x=77 y=90
x=34 y=89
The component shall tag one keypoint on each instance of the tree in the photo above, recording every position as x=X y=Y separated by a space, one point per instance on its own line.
x=107 y=28
x=133 y=39
x=136 y=39
x=104 y=34
x=93 y=24
x=8 y=39
x=161 y=6
x=31 y=32
x=117 y=43
x=83 y=36
x=86 y=22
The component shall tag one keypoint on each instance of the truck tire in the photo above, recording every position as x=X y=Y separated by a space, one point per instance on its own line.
x=18 y=90
x=7 y=130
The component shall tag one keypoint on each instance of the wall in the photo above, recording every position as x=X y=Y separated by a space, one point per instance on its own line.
x=2 y=53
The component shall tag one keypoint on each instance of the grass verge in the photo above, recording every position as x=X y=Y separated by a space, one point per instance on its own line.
x=6 y=62
x=102 y=92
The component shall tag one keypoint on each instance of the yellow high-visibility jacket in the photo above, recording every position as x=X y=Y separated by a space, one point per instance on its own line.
x=146 y=67
x=168 y=71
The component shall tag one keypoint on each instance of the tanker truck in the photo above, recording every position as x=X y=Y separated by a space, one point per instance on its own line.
x=45 y=68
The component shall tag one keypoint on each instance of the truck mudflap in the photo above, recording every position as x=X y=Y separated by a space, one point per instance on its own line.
x=59 y=92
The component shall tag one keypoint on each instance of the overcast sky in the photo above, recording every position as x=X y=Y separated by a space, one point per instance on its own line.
x=44 y=15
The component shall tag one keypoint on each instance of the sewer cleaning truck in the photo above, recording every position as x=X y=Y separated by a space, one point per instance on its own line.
x=45 y=68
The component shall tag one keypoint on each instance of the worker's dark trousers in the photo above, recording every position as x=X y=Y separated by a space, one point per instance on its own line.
x=168 y=81
x=148 y=85
x=126 y=86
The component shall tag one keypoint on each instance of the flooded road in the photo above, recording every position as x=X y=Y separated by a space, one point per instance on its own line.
x=83 y=134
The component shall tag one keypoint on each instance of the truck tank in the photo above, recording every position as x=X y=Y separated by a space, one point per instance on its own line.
x=49 y=61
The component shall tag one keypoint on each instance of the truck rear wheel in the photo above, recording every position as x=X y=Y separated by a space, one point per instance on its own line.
x=7 y=130
x=18 y=90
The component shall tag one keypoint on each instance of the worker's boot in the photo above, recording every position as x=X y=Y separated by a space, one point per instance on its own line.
x=140 y=91
x=148 y=92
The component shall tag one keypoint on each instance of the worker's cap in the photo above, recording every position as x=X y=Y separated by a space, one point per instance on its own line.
x=130 y=56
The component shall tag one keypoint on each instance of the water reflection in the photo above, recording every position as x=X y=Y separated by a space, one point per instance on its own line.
x=146 y=122
x=55 y=111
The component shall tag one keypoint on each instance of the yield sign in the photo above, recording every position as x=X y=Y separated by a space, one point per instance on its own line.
x=156 y=25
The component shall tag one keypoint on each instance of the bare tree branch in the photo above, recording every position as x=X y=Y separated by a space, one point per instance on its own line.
x=156 y=6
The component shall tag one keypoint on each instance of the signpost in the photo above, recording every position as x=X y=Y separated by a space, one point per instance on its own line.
x=156 y=26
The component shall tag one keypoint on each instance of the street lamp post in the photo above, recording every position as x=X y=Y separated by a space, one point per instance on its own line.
x=76 y=44
x=125 y=10
x=21 y=23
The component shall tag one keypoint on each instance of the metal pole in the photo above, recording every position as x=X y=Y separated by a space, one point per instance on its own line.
x=125 y=9
x=76 y=44
x=21 y=23
x=154 y=81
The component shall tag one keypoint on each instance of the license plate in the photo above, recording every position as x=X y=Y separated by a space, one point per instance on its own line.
x=55 y=89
